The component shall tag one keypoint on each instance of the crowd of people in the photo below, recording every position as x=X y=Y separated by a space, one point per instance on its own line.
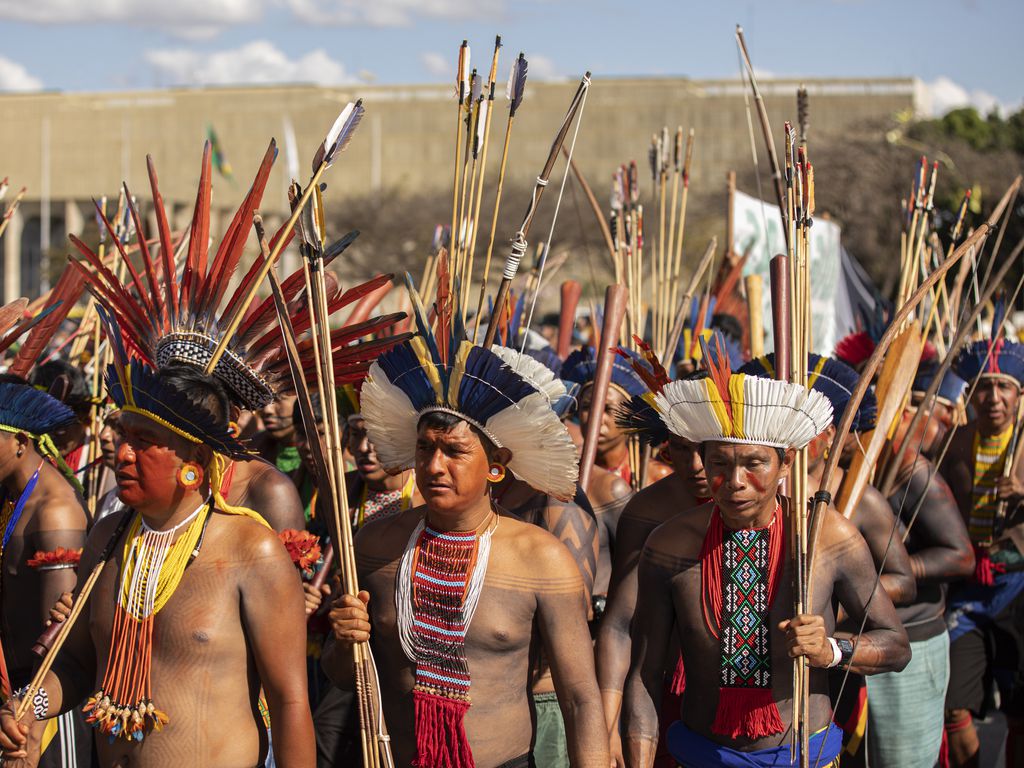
x=213 y=555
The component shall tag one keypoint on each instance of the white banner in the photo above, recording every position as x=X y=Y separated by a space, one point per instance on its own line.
x=758 y=231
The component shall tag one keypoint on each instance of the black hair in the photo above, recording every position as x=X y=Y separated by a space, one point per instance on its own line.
x=728 y=325
x=443 y=421
x=780 y=452
x=202 y=391
x=63 y=381
x=11 y=378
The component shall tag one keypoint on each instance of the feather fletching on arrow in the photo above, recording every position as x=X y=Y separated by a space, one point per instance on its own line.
x=462 y=76
x=516 y=84
x=338 y=137
x=65 y=295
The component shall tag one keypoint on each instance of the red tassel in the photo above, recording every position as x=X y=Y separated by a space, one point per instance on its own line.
x=678 y=678
x=984 y=569
x=749 y=712
x=440 y=734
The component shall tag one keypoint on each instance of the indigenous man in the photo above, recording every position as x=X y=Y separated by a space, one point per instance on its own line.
x=463 y=418
x=676 y=493
x=184 y=325
x=905 y=710
x=44 y=526
x=986 y=617
x=277 y=441
x=612 y=443
x=227 y=606
x=721 y=577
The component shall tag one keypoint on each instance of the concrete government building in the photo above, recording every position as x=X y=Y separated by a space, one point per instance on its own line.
x=68 y=148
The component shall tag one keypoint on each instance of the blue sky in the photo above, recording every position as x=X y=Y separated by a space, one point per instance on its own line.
x=963 y=50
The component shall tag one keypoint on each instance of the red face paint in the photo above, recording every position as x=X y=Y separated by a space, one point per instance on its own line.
x=717 y=482
x=755 y=483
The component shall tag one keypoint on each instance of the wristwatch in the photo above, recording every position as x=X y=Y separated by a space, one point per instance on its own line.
x=845 y=651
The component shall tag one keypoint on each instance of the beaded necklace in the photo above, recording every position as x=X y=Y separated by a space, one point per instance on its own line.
x=739 y=578
x=153 y=566
x=440 y=579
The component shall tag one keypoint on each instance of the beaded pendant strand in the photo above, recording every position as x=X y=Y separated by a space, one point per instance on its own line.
x=152 y=569
x=440 y=579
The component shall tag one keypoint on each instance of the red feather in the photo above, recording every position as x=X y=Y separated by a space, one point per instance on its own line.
x=147 y=262
x=166 y=247
x=231 y=246
x=199 y=236
x=111 y=287
x=67 y=291
x=716 y=362
x=147 y=304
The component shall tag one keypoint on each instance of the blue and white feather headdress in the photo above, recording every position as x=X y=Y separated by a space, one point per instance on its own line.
x=441 y=371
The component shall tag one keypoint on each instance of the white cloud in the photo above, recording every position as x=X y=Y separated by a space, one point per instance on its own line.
x=541 y=68
x=14 y=77
x=203 y=19
x=257 y=62
x=390 y=13
x=438 y=65
x=194 y=19
x=938 y=97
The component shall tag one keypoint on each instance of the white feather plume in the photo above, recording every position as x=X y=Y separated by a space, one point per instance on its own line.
x=390 y=420
x=543 y=454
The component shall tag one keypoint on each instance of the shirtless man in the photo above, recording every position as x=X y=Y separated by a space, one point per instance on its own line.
x=49 y=525
x=233 y=623
x=905 y=715
x=521 y=584
x=531 y=584
x=987 y=612
x=276 y=441
x=677 y=493
x=745 y=463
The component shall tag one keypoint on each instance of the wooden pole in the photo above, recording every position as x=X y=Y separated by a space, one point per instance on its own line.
x=614 y=311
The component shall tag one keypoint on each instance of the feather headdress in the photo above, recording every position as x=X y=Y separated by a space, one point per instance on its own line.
x=949 y=393
x=581 y=365
x=23 y=408
x=166 y=319
x=737 y=408
x=995 y=357
x=834 y=379
x=639 y=415
x=442 y=371
x=135 y=387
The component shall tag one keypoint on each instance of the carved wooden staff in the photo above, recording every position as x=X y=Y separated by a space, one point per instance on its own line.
x=519 y=244
x=614 y=313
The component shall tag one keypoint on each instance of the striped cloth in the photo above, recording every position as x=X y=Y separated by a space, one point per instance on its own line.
x=989 y=462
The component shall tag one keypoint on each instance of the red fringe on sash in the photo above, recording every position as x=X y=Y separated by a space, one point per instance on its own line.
x=440 y=734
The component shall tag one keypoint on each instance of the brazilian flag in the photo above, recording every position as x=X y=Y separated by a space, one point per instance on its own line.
x=220 y=161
